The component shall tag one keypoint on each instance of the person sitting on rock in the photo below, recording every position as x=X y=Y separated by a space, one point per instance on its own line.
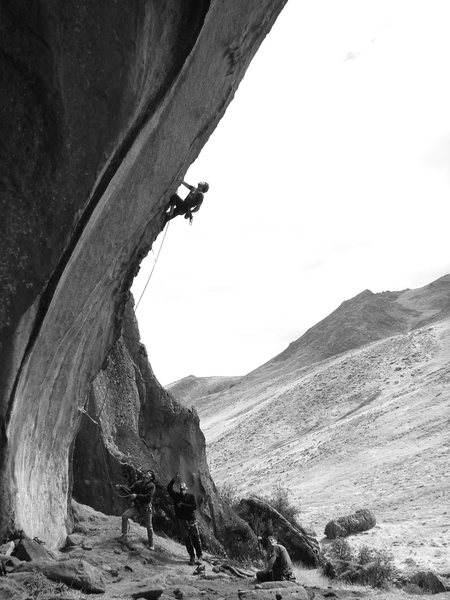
x=141 y=492
x=191 y=204
x=185 y=505
x=278 y=563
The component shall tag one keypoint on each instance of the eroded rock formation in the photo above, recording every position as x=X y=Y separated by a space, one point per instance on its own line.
x=103 y=106
x=132 y=422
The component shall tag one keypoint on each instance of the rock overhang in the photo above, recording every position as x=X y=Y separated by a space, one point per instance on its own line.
x=109 y=147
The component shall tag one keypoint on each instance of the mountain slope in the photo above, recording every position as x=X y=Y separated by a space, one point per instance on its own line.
x=369 y=428
x=369 y=317
x=189 y=389
x=353 y=414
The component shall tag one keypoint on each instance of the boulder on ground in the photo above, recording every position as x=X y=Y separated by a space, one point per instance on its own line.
x=28 y=550
x=74 y=539
x=149 y=593
x=265 y=520
x=270 y=585
x=294 y=593
x=7 y=549
x=75 y=573
x=361 y=520
x=9 y=562
x=429 y=582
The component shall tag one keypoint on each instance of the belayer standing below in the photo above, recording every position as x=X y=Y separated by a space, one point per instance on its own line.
x=191 y=204
x=185 y=505
x=141 y=492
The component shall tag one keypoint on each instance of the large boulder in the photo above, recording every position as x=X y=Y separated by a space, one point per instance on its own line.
x=361 y=520
x=264 y=519
x=75 y=573
x=29 y=550
x=103 y=107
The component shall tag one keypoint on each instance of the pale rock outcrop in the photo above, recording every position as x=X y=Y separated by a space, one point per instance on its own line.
x=103 y=106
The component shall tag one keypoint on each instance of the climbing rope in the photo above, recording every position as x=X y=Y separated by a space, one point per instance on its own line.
x=154 y=265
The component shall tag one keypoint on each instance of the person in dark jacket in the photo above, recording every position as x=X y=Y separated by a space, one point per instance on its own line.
x=141 y=493
x=185 y=504
x=191 y=204
x=278 y=562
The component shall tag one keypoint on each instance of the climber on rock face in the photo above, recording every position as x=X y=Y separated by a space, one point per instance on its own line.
x=191 y=204
x=141 y=492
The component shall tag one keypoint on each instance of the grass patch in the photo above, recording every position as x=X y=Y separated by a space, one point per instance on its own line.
x=39 y=586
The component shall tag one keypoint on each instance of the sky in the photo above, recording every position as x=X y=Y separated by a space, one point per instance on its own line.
x=329 y=174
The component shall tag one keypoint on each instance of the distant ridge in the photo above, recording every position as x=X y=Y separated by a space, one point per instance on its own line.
x=366 y=318
x=190 y=388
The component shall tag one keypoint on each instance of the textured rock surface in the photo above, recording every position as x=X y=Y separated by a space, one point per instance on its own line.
x=103 y=106
x=429 y=582
x=142 y=426
x=297 y=593
x=75 y=573
x=361 y=520
x=265 y=520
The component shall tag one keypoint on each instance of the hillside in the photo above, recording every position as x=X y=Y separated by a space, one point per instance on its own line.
x=189 y=389
x=369 y=317
x=353 y=414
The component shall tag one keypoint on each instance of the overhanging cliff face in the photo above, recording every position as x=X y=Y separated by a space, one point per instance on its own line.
x=103 y=106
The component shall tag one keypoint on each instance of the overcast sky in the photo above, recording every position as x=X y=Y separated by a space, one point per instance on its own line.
x=329 y=174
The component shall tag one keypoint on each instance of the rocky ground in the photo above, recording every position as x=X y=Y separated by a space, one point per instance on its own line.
x=133 y=571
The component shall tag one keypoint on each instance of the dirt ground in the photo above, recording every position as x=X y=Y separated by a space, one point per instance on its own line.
x=132 y=568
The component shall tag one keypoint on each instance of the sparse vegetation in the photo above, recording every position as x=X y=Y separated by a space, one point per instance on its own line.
x=381 y=568
x=340 y=549
x=38 y=586
x=369 y=567
x=280 y=501
x=229 y=495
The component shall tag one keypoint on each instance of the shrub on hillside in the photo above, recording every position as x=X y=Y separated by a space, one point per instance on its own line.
x=365 y=555
x=38 y=586
x=228 y=494
x=369 y=567
x=340 y=549
x=380 y=566
x=279 y=500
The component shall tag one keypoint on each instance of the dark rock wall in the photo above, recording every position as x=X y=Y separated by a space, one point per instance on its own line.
x=103 y=106
x=131 y=423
